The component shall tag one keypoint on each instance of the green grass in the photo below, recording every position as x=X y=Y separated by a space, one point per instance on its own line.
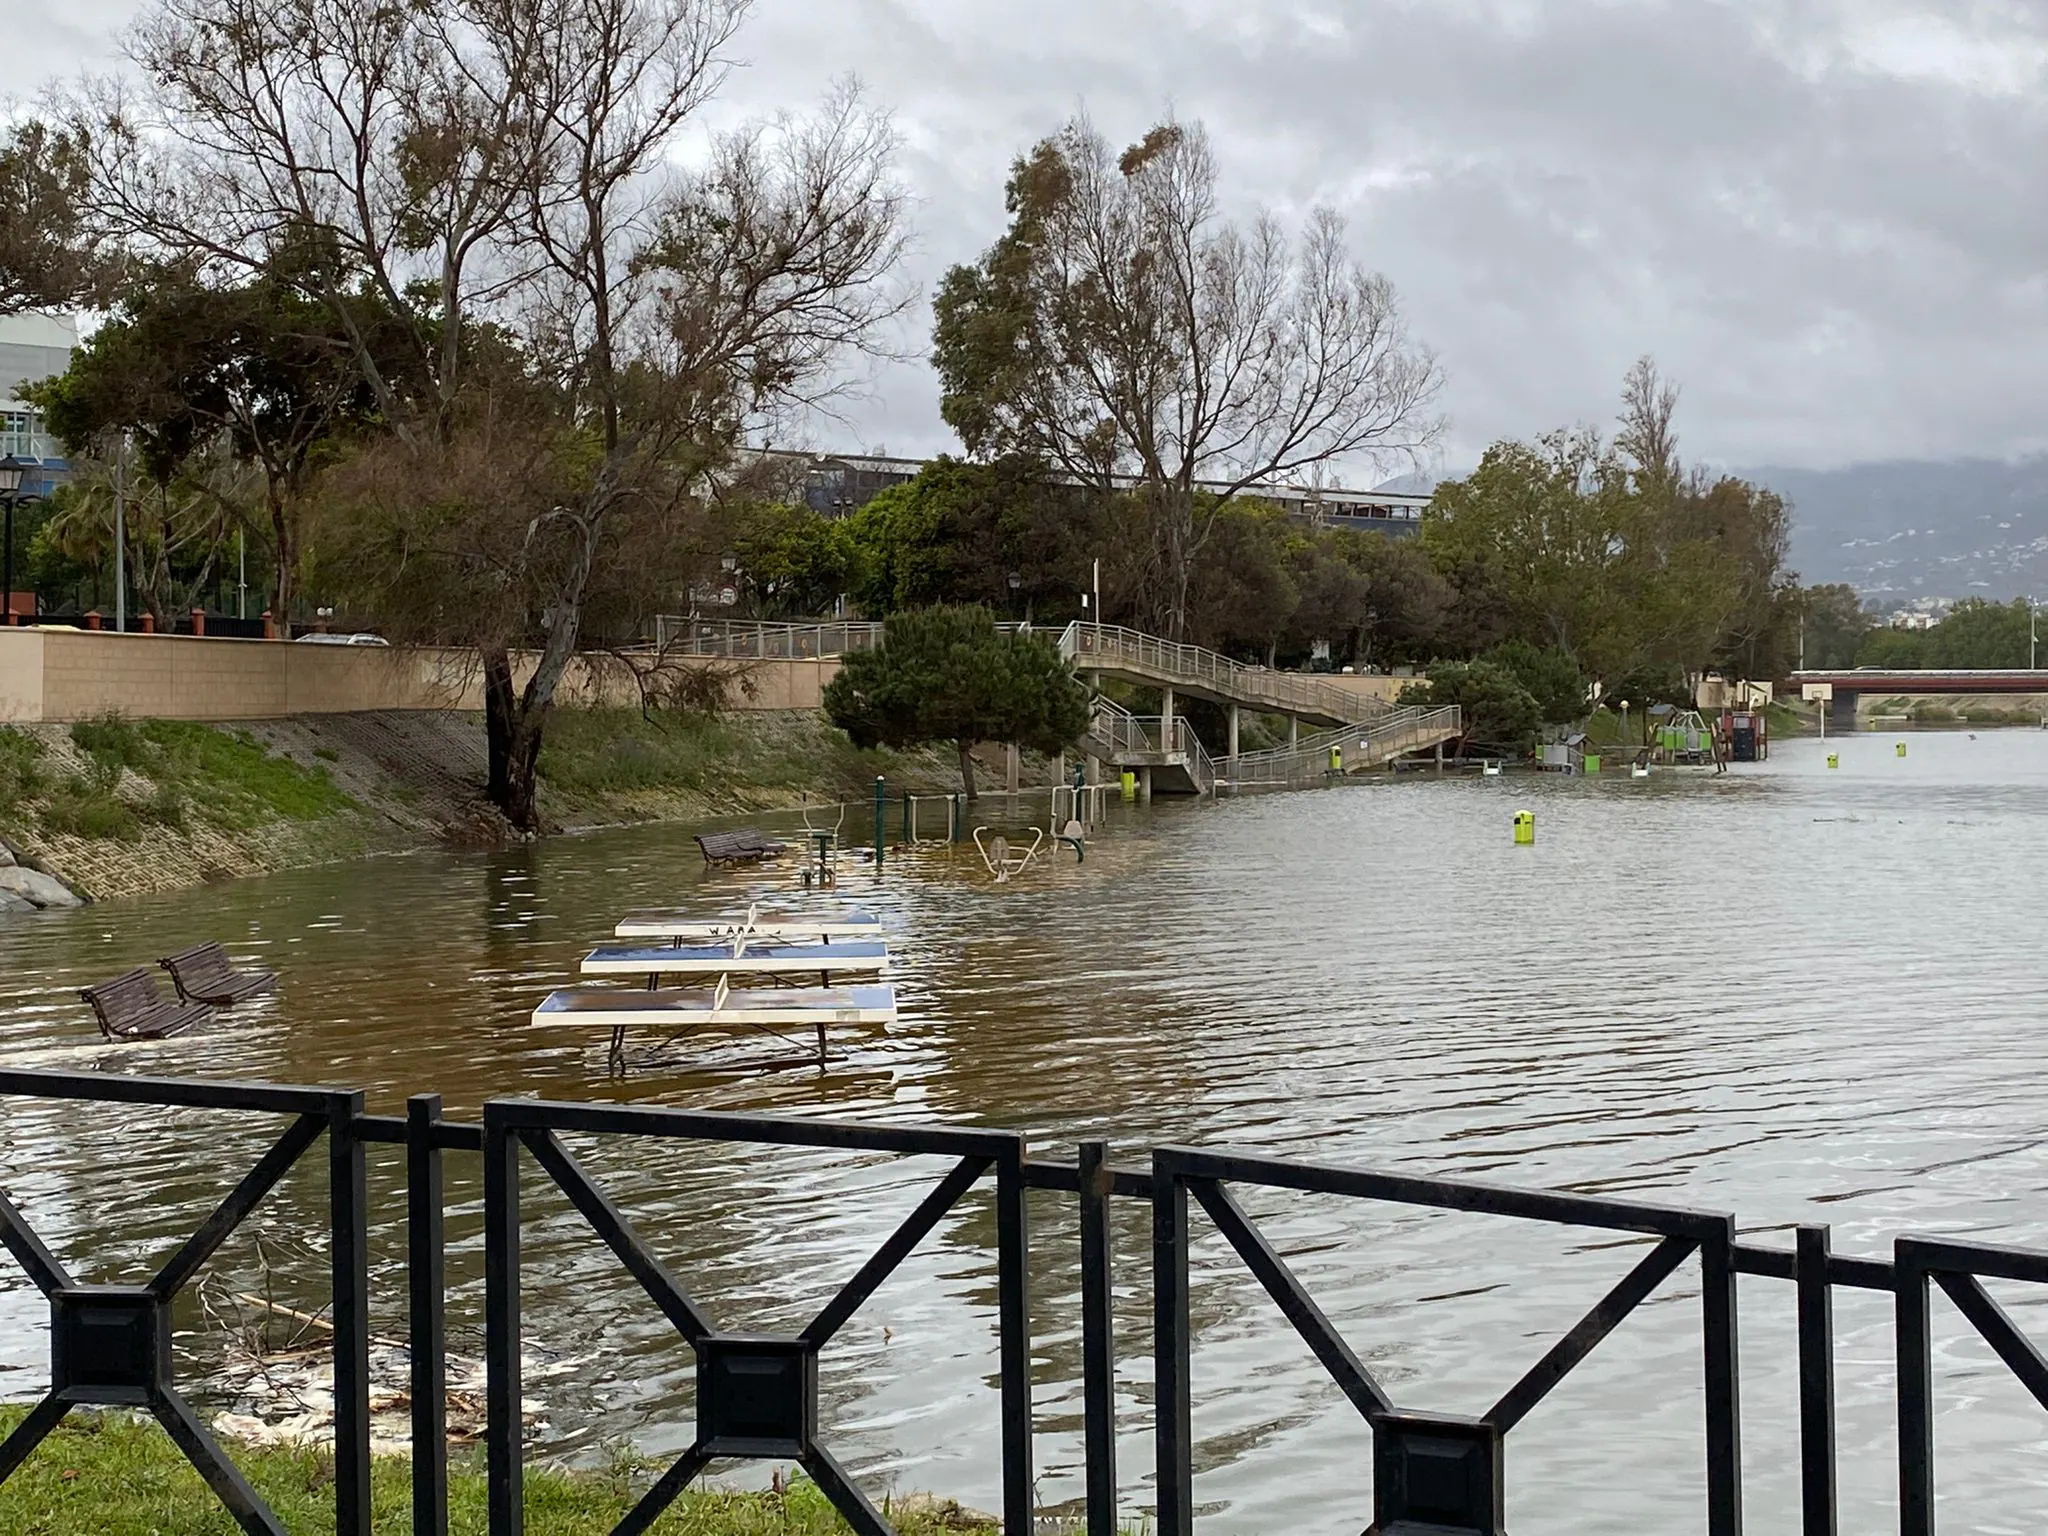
x=593 y=754
x=22 y=774
x=227 y=779
x=109 y=1475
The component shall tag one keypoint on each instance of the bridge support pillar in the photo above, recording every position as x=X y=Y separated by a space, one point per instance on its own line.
x=1439 y=758
x=1014 y=765
x=1145 y=785
x=1094 y=769
x=1232 y=716
x=1294 y=730
x=1165 y=715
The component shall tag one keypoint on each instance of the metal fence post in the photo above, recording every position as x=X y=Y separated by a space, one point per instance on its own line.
x=504 y=1427
x=1816 y=1382
x=1098 y=1341
x=426 y=1275
x=1914 y=1351
x=881 y=812
x=1171 y=1351
x=1013 y=1304
x=347 y=1204
x=1724 y=1413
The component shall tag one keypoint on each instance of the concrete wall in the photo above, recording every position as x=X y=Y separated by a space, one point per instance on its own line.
x=66 y=674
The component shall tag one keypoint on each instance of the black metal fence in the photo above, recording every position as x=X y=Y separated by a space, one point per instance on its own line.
x=757 y=1395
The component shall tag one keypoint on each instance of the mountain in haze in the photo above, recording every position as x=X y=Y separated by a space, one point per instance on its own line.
x=1908 y=530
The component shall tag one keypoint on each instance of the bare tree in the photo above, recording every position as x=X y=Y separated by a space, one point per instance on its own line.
x=1124 y=326
x=1649 y=401
x=584 y=330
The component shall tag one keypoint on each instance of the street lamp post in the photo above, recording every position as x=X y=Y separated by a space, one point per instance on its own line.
x=11 y=470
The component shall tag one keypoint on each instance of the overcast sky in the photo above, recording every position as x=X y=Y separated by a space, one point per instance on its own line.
x=1827 y=218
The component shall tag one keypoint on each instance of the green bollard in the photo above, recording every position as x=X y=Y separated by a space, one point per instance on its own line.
x=881 y=812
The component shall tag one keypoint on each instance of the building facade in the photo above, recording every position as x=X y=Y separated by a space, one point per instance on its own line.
x=32 y=348
x=838 y=484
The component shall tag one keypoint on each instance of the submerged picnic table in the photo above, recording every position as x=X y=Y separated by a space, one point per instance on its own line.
x=688 y=1012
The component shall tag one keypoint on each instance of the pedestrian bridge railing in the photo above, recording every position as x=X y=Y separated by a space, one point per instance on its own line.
x=1395 y=734
x=1149 y=659
x=757 y=1396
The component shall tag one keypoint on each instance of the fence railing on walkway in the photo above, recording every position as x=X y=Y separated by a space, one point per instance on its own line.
x=748 y=640
x=757 y=1396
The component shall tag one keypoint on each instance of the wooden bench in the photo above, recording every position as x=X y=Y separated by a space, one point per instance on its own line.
x=742 y=846
x=130 y=1008
x=202 y=975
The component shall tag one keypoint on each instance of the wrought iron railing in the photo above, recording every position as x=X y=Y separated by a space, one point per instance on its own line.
x=757 y=1395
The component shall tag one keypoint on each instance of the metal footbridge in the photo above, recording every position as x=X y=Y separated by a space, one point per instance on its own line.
x=1163 y=750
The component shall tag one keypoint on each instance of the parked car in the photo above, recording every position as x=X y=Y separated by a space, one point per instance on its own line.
x=364 y=639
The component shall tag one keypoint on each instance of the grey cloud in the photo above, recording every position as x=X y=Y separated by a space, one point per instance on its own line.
x=1826 y=217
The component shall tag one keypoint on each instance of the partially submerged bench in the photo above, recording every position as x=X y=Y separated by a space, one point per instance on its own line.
x=130 y=1008
x=203 y=975
x=744 y=845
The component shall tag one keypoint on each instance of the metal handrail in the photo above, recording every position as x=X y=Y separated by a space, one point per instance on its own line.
x=1082 y=643
x=747 y=639
x=1400 y=730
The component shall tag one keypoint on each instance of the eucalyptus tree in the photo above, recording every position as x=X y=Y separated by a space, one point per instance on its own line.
x=1123 y=326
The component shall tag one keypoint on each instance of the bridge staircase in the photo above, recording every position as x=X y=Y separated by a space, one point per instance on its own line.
x=1366 y=731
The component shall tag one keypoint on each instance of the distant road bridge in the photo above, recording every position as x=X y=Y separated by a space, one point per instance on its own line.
x=1852 y=684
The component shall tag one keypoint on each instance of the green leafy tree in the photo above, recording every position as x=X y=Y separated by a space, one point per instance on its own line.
x=948 y=674
x=52 y=255
x=957 y=533
x=1833 y=624
x=253 y=370
x=1982 y=635
x=791 y=562
x=1497 y=710
x=1898 y=649
x=1552 y=678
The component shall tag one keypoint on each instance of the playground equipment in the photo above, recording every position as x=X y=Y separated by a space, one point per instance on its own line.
x=821 y=867
x=1002 y=862
x=919 y=814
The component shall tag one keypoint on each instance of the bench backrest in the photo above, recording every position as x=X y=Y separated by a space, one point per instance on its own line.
x=202 y=963
x=717 y=843
x=125 y=997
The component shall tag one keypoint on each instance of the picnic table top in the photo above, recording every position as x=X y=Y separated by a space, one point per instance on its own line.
x=655 y=959
x=623 y=1008
x=654 y=923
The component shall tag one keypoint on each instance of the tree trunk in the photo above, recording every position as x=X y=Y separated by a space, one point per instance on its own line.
x=282 y=547
x=967 y=768
x=501 y=721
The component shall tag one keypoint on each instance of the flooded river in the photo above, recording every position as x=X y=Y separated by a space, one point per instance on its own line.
x=1794 y=993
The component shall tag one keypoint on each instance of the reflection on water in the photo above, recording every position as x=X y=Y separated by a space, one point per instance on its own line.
x=1795 y=993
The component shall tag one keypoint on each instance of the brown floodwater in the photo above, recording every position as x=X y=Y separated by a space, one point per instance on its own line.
x=1794 y=993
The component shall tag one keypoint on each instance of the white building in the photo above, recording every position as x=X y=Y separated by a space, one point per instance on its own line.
x=32 y=348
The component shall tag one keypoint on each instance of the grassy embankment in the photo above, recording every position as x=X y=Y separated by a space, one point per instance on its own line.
x=126 y=777
x=108 y=1475
x=122 y=807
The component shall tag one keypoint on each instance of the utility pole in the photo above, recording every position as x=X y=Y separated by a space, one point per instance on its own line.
x=121 y=536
